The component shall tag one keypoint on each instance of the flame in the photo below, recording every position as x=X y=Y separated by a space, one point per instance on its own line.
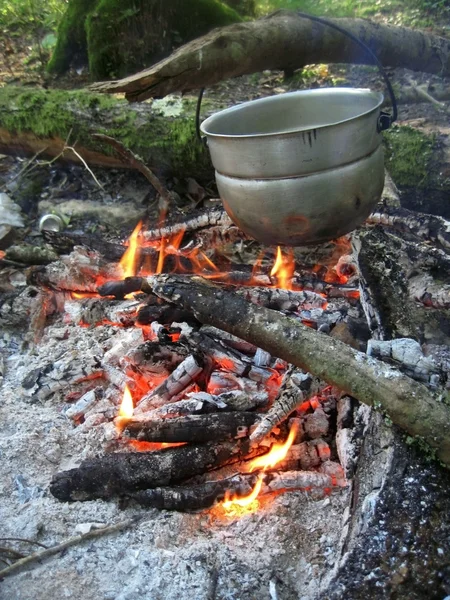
x=284 y=268
x=125 y=411
x=81 y=295
x=277 y=452
x=249 y=503
x=129 y=260
x=126 y=406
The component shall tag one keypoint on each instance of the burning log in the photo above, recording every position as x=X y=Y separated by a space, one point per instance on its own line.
x=295 y=388
x=192 y=428
x=195 y=497
x=178 y=380
x=409 y=404
x=206 y=495
x=202 y=402
x=120 y=289
x=122 y=473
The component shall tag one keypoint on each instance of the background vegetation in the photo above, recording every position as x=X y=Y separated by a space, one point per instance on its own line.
x=33 y=24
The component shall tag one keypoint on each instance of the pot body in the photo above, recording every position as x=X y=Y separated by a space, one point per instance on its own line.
x=297 y=211
x=278 y=159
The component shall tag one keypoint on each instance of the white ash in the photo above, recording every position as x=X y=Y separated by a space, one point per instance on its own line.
x=166 y=555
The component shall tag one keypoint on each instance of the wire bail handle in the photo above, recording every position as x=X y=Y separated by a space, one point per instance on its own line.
x=385 y=119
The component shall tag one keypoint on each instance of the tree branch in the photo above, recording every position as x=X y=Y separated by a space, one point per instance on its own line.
x=281 y=41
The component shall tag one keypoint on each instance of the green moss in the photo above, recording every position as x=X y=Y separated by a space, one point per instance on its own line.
x=50 y=113
x=118 y=37
x=410 y=156
x=170 y=142
x=71 y=41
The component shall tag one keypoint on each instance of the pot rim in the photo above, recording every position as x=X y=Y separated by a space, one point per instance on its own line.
x=378 y=96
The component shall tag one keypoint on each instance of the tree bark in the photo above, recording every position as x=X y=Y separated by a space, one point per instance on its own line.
x=286 y=41
x=409 y=404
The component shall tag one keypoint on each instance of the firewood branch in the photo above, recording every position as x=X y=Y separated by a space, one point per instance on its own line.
x=42 y=554
x=283 y=40
x=409 y=404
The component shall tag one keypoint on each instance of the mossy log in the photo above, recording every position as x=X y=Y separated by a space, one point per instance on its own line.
x=45 y=121
x=284 y=41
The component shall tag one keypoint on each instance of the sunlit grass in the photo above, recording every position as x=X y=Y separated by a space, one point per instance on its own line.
x=408 y=12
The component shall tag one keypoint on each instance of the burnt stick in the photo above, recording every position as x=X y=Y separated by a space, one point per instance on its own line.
x=192 y=428
x=121 y=473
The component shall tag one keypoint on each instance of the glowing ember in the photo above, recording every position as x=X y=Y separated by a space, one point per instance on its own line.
x=283 y=269
x=129 y=260
x=277 y=452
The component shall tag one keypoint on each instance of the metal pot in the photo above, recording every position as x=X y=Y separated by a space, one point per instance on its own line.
x=299 y=168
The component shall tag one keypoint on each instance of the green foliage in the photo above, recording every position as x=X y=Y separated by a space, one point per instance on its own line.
x=411 y=12
x=409 y=156
x=26 y=15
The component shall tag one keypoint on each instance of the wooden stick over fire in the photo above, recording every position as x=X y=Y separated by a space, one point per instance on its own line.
x=410 y=405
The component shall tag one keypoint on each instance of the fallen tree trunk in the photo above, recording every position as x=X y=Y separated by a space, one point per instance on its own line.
x=47 y=122
x=285 y=41
x=409 y=404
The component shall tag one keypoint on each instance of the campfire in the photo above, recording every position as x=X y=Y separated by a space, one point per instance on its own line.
x=204 y=419
x=210 y=406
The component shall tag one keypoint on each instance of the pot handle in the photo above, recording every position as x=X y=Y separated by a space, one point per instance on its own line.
x=385 y=119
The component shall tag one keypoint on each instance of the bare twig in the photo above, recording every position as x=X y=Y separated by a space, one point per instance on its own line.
x=41 y=555
x=16 y=539
x=135 y=162
x=84 y=163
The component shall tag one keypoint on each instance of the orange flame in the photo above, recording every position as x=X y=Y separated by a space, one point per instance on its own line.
x=283 y=269
x=126 y=406
x=81 y=295
x=129 y=260
x=249 y=503
x=125 y=410
x=277 y=453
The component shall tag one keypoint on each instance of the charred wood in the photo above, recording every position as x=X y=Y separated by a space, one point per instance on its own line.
x=197 y=496
x=424 y=226
x=295 y=388
x=407 y=355
x=178 y=380
x=120 y=289
x=408 y=403
x=390 y=280
x=283 y=300
x=212 y=217
x=122 y=473
x=196 y=429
